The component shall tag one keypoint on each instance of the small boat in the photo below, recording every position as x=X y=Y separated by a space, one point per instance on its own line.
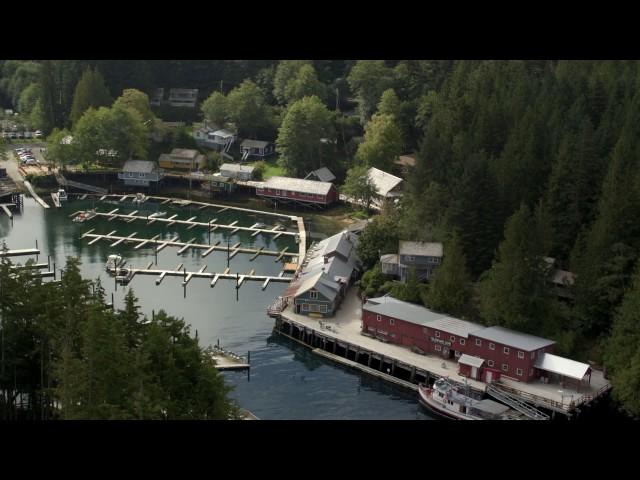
x=279 y=227
x=84 y=216
x=62 y=195
x=260 y=225
x=450 y=401
x=114 y=262
x=157 y=215
x=140 y=198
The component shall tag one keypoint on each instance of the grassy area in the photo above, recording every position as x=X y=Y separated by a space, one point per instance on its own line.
x=272 y=169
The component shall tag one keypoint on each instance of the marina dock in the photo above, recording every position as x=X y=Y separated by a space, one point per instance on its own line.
x=35 y=195
x=55 y=198
x=226 y=360
x=211 y=225
x=19 y=253
x=161 y=244
x=126 y=274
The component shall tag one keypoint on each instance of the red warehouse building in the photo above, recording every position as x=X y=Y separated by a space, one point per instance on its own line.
x=482 y=353
x=514 y=354
x=298 y=191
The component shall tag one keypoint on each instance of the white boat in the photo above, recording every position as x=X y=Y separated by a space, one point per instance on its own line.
x=62 y=195
x=114 y=262
x=157 y=215
x=84 y=216
x=450 y=401
x=140 y=198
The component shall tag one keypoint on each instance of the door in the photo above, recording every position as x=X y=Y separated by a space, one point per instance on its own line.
x=489 y=376
x=474 y=372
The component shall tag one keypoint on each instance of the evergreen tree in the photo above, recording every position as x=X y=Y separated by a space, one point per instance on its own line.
x=368 y=79
x=91 y=91
x=305 y=84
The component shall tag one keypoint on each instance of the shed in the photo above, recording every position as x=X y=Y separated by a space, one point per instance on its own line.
x=564 y=367
x=237 y=171
x=470 y=366
x=384 y=182
x=255 y=148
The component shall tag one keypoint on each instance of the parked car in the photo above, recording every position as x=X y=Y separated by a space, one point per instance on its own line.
x=37 y=134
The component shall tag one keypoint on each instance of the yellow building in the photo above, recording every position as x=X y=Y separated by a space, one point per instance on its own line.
x=182 y=159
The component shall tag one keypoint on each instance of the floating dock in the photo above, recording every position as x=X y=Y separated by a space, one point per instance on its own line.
x=19 y=253
x=226 y=360
x=161 y=244
x=130 y=217
x=126 y=274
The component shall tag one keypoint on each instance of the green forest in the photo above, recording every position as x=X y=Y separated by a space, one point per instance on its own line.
x=517 y=161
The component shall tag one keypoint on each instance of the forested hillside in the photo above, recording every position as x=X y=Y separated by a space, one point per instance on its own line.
x=517 y=161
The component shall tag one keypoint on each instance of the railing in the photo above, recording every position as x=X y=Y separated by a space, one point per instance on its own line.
x=516 y=403
x=277 y=306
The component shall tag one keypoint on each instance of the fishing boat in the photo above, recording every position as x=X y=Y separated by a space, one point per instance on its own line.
x=114 y=262
x=140 y=198
x=84 y=216
x=448 y=400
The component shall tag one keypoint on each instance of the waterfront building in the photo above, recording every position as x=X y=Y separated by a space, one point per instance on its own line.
x=483 y=353
x=388 y=187
x=182 y=159
x=329 y=268
x=140 y=173
x=256 y=149
x=183 y=97
x=298 y=191
x=237 y=171
x=424 y=257
x=216 y=139
x=321 y=175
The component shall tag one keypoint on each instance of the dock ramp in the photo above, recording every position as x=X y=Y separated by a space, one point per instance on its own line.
x=515 y=403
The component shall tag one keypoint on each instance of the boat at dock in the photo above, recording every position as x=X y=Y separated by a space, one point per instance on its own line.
x=158 y=215
x=449 y=400
x=62 y=195
x=114 y=262
x=85 y=215
x=140 y=198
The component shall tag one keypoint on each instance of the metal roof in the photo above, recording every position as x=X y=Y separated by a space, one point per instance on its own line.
x=408 y=312
x=523 y=341
x=426 y=249
x=323 y=174
x=471 y=360
x=455 y=326
x=383 y=181
x=562 y=366
x=247 y=143
x=320 y=282
x=139 y=166
x=298 y=185
x=389 y=258
x=184 y=153
x=222 y=133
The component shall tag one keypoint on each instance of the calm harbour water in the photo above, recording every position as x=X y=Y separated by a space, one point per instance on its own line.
x=287 y=381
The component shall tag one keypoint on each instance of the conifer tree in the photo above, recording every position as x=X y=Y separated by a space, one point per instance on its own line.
x=90 y=91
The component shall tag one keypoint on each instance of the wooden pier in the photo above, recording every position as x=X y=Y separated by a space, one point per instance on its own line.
x=191 y=223
x=160 y=244
x=126 y=274
x=35 y=195
x=226 y=360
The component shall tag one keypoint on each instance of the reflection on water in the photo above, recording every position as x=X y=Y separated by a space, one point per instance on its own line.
x=287 y=380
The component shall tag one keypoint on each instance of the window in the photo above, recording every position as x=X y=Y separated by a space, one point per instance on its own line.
x=410 y=258
x=505 y=367
x=452 y=338
x=506 y=350
x=141 y=174
x=520 y=354
x=533 y=355
x=490 y=363
x=379 y=318
x=305 y=307
x=392 y=321
x=437 y=334
x=519 y=372
x=277 y=192
x=323 y=309
x=462 y=341
x=438 y=348
x=313 y=295
x=478 y=342
x=130 y=174
x=492 y=346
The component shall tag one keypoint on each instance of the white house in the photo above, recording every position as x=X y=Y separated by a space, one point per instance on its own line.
x=256 y=148
x=237 y=171
x=140 y=173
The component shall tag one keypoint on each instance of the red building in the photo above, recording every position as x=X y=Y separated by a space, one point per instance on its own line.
x=483 y=353
x=297 y=190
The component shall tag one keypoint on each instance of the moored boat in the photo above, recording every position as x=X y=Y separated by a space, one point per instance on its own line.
x=84 y=216
x=157 y=215
x=449 y=401
x=113 y=263
x=62 y=195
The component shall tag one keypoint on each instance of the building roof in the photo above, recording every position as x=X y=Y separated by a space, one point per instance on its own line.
x=455 y=326
x=183 y=91
x=247 y=143
x=406 y=160
x=562 y=366
x=236 y=167
x=405 y=311
x=384 y=182
x=425 y=249
x=321 y=283
x=359 y=226
x=523 y=341
x=186 y=153
x=224 y=133
x=471 y=360
x=389 y=258
x=323 y=174
x=298 y=185
x=139 y=166
x=563 y=277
